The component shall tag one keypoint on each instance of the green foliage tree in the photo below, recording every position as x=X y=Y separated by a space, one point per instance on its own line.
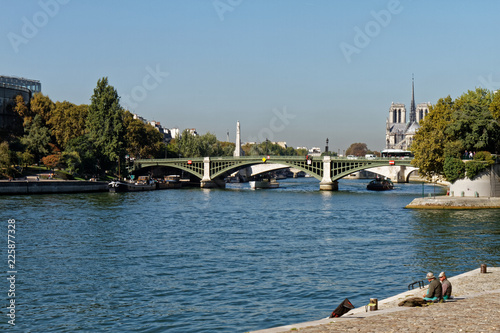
x=472 y=122
x=482 y=160
x=453 y=169
x=86 y=163
x=105 y=125
x=466 y=124
x=26 y=158
x=199 y=145
x=37 y=139
x=357 y=149
x=72 y=161
x=5 y=156
x=429 y=142
x=6 y=160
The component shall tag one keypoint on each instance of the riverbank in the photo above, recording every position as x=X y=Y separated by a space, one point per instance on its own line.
x=50 y=186
x=447 y=202
x=476 y=308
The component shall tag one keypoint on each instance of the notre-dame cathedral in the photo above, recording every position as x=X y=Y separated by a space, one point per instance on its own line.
x=399 y=132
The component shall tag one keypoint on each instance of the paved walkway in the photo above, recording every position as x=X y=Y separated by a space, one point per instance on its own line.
x=475 y=309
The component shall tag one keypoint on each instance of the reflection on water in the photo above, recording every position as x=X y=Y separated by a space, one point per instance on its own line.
x=199 y=260
x=456 y=239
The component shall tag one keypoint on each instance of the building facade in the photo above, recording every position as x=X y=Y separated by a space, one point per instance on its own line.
x=10 y=87
x=400 y=130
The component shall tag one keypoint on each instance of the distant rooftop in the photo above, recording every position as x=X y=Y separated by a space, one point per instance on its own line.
x=33 y=85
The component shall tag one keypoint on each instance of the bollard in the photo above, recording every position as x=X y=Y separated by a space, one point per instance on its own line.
x=483 y=268
x=373 y=306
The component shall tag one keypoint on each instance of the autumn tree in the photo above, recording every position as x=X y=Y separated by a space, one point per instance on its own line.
x=42 y=105
x=495 y=106
x=23 y=110
x=142 y=140
x=67 y=121
x=357 y=149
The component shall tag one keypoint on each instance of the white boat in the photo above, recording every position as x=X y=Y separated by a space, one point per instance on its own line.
x=118 y=186
x=264 y=183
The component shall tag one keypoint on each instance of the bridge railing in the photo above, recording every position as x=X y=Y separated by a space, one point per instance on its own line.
x=271 y=157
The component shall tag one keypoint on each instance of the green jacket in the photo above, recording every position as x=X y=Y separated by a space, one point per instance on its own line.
x=435 y=290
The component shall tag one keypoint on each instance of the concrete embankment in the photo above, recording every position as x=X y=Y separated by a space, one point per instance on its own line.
x=475 y=308
x=446 y=202
x=50 y=186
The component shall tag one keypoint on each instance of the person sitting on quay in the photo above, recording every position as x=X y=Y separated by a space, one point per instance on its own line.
x=435 y=291
x=445 y=285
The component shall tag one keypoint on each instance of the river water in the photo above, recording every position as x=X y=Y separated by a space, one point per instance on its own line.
x=233 y=260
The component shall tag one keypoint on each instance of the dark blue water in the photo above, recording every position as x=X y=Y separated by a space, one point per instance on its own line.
x=231 y=260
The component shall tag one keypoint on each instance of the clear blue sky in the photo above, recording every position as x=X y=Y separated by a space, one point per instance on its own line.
x=289 y=70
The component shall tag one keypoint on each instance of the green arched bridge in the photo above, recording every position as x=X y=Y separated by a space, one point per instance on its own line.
x=213 y=170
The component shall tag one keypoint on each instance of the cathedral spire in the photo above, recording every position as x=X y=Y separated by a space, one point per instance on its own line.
x=413 y=109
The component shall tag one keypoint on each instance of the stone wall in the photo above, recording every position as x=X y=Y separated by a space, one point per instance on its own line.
x=486 y=184
x=48 y=186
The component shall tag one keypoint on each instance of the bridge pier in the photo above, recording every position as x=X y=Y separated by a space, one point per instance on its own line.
x=206 y=181
x=326 y=183
x=332 y=186
x=212 y=184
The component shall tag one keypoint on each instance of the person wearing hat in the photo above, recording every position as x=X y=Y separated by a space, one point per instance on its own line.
x=435 y=291
x=446 y=285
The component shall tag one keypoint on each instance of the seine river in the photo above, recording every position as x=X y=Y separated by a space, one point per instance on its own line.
x=233 y=260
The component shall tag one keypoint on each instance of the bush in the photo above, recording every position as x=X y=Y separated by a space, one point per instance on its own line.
x=453 y=169
x=473 y=168
x=482 y=160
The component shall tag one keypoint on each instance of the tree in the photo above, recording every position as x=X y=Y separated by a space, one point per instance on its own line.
x=495 y=106
x=453 y=169
x=37 y=139
x=42 y=105
x=72 y=161
x=142 y=140
x=105 y=124
x=26 y=158
x=357 y=149
x=23 y=110
x=67 y=121
x=466 y=124
x=429 y=141
x=81 y=146
x=482 y=160
x=51 y=161
x=473 y=123
x=5 y=156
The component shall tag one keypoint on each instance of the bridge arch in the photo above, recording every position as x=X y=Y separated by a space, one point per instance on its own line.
x=326 y=169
